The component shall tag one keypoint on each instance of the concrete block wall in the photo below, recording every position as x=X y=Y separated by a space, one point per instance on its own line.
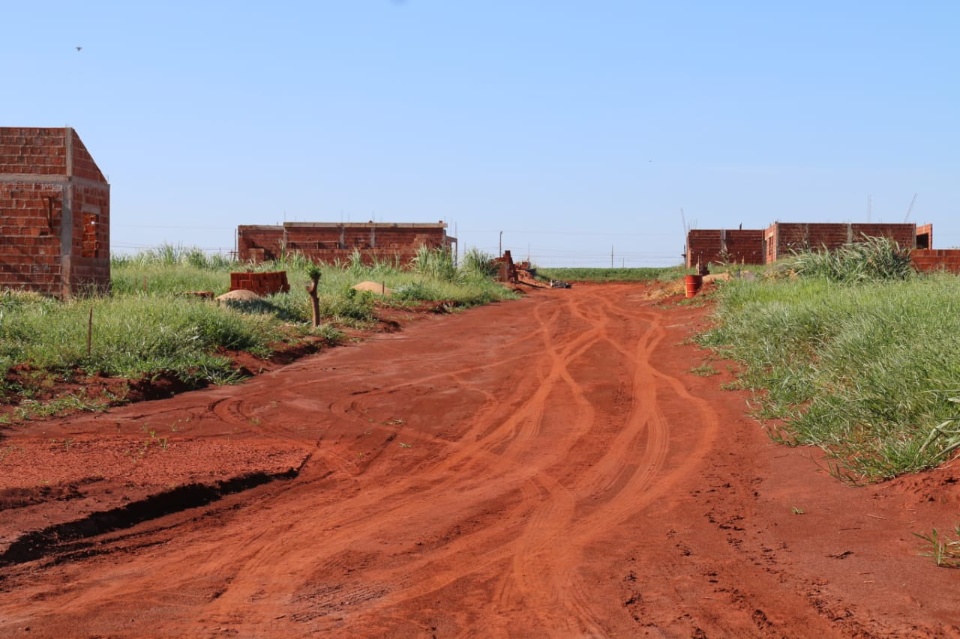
x=331 y=243
x=54 y=214
x=724 y=246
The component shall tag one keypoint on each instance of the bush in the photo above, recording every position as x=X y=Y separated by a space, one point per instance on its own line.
x=873 y=259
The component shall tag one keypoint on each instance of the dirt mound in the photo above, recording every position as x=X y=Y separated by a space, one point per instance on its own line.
x=239 y=295
x=374 y=287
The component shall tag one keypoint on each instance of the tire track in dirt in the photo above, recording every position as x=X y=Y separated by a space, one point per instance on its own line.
x=542 y=477
x=504 y=449
x=497 y=451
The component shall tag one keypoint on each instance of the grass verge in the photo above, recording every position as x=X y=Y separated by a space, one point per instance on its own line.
x=866 y=368
x=152 y=326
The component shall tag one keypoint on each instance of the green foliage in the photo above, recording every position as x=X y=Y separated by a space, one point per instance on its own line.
x=872 y=259
x=476 y=262
x=313 y=271
x=348 y=306
x=944 y=551
x=435 y=264
x=868 y=372
x=152 y=326
x=610 y=274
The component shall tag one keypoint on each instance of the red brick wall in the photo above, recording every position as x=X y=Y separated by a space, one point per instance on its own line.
x=329 y=243
x=925 y=236
x=90 y=243
x=790 y=237
x=83 y=164
x=34 y=151
x=724 y=246
x=30 y=236
x=48 y=181
x=929 y=260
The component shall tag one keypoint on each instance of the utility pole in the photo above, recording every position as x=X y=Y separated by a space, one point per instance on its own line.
x=910 y=208
x=611 y=256
x=501 y=244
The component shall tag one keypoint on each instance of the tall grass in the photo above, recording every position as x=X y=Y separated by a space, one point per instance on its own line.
x=866 y=371
x=131 y=337
x=872 y=259
x=152 y=325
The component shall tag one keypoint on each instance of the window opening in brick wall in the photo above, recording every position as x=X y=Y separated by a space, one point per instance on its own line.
x=91 y=247
x=51 y=205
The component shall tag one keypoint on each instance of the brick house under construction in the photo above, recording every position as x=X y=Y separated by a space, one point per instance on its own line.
x=781 y=239
x=329 y=242
x=54 y=214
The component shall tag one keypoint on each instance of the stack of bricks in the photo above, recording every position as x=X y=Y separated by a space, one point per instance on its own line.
x=54 y=214
x=260 y=283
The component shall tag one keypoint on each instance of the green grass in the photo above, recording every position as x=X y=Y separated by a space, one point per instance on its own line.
x=944 y=550
x=866 y=367
x=611 y=274
x=151 y=325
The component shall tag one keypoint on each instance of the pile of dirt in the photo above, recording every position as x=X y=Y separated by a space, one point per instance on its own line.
x=239 y=295
x=374 y=287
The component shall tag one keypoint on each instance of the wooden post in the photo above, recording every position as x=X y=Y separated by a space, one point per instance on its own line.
x=314 y=274
x=90 y=332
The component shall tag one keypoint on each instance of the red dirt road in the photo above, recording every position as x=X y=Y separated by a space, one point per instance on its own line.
x=542 y=468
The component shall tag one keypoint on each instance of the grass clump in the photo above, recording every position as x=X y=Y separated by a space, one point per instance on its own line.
x=944 y=551
x=151 y=326
x=870 y=260
x=864 y=367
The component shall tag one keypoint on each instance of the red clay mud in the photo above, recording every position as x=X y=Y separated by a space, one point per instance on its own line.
x=548 y=467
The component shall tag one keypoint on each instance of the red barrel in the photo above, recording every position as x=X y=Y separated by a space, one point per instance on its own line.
x=694 y=283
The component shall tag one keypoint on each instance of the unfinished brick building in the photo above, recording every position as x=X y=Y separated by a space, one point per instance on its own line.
x=328 y=242
x=54 y=214
x=783 y=238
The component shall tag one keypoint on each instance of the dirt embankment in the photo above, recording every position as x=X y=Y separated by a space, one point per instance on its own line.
x=545 y=467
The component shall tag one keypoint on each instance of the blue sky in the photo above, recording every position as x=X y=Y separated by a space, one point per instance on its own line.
x=576 y=128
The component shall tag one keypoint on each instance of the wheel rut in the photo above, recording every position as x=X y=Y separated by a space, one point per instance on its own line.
x=545 y=468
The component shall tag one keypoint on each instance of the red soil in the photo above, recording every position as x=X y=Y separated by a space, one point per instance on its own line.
x=542 y=468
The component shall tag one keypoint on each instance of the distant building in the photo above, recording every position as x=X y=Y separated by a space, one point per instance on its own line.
x=54 y=214
x=782 y=239
x=329 y=242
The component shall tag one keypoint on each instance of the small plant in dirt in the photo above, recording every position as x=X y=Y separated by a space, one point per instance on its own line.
x=944 y=550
